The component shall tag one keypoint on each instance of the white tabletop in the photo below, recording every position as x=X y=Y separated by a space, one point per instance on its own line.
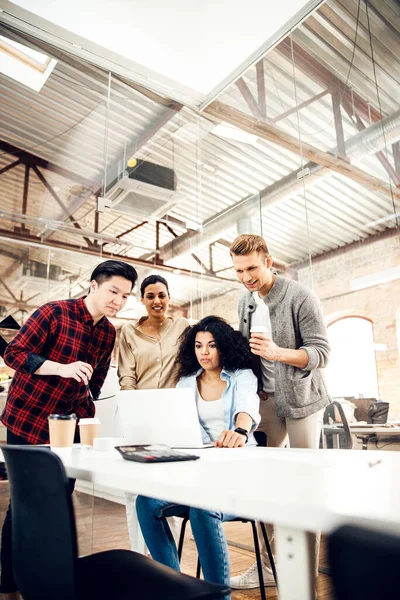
x=298 y=490
x=368 y=429
x=306 y=489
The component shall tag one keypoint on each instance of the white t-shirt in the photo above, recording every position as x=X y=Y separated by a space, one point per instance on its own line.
x=211 y=415
x=261 y=317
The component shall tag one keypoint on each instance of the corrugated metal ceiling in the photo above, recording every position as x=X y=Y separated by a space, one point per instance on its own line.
x=67 y=121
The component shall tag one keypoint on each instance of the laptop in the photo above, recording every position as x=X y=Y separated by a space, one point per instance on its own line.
x=161 y=416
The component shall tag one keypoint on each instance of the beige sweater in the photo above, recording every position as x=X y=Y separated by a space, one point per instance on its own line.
x=147 y=363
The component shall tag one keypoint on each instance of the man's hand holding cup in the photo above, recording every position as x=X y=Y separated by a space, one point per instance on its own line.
x=261 y=343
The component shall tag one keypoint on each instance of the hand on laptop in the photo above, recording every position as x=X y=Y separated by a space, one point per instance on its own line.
x=230 y=439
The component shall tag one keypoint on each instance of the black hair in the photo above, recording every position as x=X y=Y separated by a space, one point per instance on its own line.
x=150 y=280
x=114 y=268
x=233 y=348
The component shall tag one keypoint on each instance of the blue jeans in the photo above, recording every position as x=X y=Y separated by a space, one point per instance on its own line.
x=207 y=530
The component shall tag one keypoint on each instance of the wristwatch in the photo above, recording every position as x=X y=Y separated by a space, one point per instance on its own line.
x=243 y=432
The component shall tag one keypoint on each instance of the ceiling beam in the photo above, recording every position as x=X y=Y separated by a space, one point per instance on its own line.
x=14 y=255
x=396 y=156
x=337 y=114
x=390 y=170
x=52 y=192
x=17 y=304
x=11 y=269
x=321 y=75
x=207 y=270
x=9 y=167
x=261 y=96
x=386 y=164
x=222 y=112
x=382 y=235
x=32 y=160
x=25 y=238
x=120 y=235
x=25 y=193
x=2 y=282
x=304 y=177
x=249 y=98
x=304 y=104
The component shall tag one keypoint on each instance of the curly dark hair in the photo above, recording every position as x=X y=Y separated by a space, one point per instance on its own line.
x=233 y=348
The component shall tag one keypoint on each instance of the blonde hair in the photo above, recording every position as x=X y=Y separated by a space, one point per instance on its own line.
x=248 y=243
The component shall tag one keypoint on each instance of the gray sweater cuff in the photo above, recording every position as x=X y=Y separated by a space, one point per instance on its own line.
x=313 y=358
x=33 y=363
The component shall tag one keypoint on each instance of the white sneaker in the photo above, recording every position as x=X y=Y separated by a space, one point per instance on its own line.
x=249 y=579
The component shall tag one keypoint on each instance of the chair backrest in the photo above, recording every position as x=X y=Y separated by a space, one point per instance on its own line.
x=44 y=542
x=346 y=440
x=353 y=550
x=261 y=438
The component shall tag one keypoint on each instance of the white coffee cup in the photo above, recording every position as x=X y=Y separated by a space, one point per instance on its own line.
x=259 y=329
x=105 y=444
x=88 y=430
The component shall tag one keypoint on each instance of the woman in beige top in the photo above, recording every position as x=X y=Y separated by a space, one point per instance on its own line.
x=147 y=355
x=148 y=347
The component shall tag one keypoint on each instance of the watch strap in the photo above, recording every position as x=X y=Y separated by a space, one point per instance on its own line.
x=243 y=431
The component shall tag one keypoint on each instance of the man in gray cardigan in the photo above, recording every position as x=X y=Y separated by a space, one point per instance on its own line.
x=288 y=357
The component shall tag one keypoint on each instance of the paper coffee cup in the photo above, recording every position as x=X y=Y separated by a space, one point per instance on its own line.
x=88 y=430
x=62 y=430
x=259 y=329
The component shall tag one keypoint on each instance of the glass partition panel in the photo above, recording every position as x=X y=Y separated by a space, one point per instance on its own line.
x=315 y=123
x=52 y=150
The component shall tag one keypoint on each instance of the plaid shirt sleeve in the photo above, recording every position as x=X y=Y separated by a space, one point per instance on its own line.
x=62 y=331
x=23 y=353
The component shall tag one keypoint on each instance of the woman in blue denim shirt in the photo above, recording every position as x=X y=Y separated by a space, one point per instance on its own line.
x=214 y=361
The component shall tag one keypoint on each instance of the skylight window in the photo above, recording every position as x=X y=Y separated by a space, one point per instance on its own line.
x=29 y=67
x=230 y=132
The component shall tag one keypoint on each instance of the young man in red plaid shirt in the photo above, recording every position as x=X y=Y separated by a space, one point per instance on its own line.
x=61 y=357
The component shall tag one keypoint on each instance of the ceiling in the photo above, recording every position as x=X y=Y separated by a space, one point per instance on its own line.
x=322 y=90
x=184 y=49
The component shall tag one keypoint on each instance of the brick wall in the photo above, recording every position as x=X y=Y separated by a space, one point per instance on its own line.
x=379 y=303
x=223 y=306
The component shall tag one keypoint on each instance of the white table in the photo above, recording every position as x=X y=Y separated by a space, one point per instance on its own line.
x=362 y=431
x=298 y=490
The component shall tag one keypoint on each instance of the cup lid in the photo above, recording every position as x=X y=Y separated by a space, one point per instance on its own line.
x=63 y=417
x=89 y=421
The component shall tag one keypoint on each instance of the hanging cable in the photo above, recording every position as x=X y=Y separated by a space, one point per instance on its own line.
x=302 y=165
x=311 y=134
x=380 y=110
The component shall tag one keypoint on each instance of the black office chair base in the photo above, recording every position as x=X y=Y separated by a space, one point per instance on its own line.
x=136 y=576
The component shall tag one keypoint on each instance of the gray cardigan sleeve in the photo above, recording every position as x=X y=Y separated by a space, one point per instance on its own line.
x=313 y=333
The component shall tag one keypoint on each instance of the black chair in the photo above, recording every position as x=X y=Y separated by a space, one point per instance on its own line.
x=354 y=552
x=45 y=551
x=256 y=549
x=345 y=438
x=261 y=439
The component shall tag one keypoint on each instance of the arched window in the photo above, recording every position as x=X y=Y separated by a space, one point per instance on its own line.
x=352 y=368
